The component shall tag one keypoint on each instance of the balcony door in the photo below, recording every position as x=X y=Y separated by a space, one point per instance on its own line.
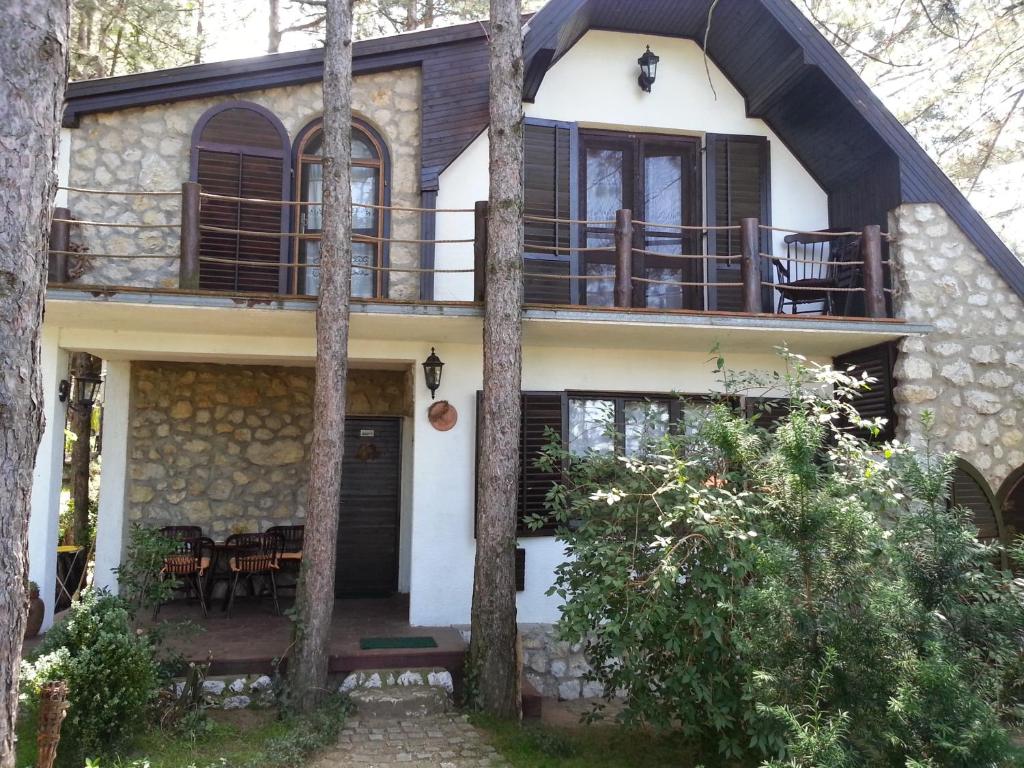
x=658 y=178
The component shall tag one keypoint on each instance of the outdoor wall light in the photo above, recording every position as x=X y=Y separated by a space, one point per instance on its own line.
x=432 y=372
x=648 y=70
x=84 y=389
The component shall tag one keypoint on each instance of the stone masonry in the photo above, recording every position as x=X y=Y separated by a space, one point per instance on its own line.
x=970 y=371
x=149 y=148
x=226 y=447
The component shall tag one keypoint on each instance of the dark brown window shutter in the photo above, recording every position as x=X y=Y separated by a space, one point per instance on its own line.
x=547 y=150
x=878 y=362
x=540 y=410
x=969 y=490
x=520 y=570
x=240 y=153
x=738 y=187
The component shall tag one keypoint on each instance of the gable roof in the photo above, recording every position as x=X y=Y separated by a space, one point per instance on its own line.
x=790 y=75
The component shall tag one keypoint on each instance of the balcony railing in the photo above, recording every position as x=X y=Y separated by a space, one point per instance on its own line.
x=621 y=263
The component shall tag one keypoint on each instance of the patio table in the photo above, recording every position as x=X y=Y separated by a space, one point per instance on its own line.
x=70 y=572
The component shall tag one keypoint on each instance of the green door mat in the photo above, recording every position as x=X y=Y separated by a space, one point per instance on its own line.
x=380 y=643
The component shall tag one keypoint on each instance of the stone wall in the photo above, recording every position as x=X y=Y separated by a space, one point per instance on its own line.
x=225 y=447
x=970 y=370
x=149 y=148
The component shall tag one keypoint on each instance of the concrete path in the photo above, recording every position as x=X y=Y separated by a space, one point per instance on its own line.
x=437 y=741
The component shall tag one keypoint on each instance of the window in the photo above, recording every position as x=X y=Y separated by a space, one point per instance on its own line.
x=240 y=150
x=369 y=220
x=878 y=362
x=627 y=424
x=630 y=425
x=589 y=175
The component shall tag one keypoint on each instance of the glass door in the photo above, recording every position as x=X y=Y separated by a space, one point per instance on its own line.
x=657 y=178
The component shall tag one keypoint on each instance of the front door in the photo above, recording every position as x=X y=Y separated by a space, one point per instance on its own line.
x=368 y=520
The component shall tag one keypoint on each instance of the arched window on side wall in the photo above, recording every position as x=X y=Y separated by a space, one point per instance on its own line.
x=241 y=150
x=370 y=222
x=970 y=490
x=1011 y=505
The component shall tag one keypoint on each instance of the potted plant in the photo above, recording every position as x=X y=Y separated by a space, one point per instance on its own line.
x=36 y=609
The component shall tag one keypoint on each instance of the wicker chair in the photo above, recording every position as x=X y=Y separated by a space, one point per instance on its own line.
x=253 y=555
x=189 y=562
x=292 y=539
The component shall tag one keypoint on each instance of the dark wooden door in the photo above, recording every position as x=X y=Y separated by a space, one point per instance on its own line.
x=368 y=520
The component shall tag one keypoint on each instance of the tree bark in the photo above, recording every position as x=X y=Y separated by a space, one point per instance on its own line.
x=307 y=669
x=493 y=657
x=274 y=24
x=33 y=73
x=80 y=425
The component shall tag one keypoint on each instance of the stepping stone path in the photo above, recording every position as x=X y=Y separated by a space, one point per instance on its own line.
x=437 y=741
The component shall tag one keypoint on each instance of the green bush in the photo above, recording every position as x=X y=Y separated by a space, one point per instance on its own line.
x=740 y=585
x=139 y=576
x=110 y=671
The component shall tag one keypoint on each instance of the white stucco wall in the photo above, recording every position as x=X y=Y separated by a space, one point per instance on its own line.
x=594 y=85
x=437 y=545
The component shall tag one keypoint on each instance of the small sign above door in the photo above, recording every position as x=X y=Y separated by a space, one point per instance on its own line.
x=367 y=433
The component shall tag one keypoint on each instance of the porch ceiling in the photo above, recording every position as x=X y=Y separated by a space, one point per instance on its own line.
x=145 y=326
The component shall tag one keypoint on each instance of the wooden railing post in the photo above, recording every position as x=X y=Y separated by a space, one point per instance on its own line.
x=188 y=267
x=874 y=281
x=480 y=212
x=750 y=265
x=60 y=240
x=624 y=258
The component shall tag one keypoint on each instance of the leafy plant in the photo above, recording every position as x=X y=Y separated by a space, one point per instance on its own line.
x=740 y=584
x=142 y=584
x=110 y=671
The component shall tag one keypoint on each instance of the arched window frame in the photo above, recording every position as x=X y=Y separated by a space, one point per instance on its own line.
x=284 y=153
x=381 y=281
x=972 y=472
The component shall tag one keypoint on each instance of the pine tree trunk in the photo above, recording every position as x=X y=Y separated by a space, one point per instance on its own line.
x=80 y=425
x=307 y=668
x=33 y=73
x=274 y=24
x=493 y=657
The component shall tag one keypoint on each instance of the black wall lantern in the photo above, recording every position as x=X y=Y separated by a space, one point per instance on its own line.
x=432 y=372
x=81 y=389
x=648 y=69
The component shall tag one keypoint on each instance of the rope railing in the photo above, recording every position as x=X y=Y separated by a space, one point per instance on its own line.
x=626 y=246
x=121 y=192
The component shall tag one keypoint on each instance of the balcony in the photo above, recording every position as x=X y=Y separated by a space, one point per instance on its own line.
x=192 y=243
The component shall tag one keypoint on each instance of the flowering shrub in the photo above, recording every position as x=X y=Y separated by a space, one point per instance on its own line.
x=110 y=671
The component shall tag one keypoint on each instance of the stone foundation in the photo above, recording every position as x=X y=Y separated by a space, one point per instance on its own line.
x=226 y=447
x=554 y=667
x=970 y=371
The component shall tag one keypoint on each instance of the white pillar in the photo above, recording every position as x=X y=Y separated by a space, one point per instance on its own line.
x=110 y=524
x=46 y=480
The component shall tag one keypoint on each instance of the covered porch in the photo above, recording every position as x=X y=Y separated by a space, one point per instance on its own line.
x=254 y=638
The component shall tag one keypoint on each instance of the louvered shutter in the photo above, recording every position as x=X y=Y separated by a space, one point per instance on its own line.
x=968 y=492
x=878 y=402
x=738 y=187
x=547 y=150
x=540 y=411
x=240 y=153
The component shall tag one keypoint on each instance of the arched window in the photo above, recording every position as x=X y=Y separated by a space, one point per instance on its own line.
x=370 y=191
x=970 y=490
x=240 y=150
x=1011 y=504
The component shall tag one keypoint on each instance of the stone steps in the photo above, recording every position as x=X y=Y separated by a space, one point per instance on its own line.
x=399 y=693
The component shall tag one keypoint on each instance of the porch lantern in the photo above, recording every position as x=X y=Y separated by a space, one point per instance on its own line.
x=84 y=389
x=648 y=70
x=432 y=372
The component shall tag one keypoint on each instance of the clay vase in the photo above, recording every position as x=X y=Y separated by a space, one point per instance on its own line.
x=36 y=609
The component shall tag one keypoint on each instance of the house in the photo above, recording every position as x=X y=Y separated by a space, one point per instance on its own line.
x=772 y=201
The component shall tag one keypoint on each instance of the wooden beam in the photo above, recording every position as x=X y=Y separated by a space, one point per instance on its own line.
x=624 y=258
x=480 y=211
x=750 y=265
x=874 y=282
x=188 y=266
